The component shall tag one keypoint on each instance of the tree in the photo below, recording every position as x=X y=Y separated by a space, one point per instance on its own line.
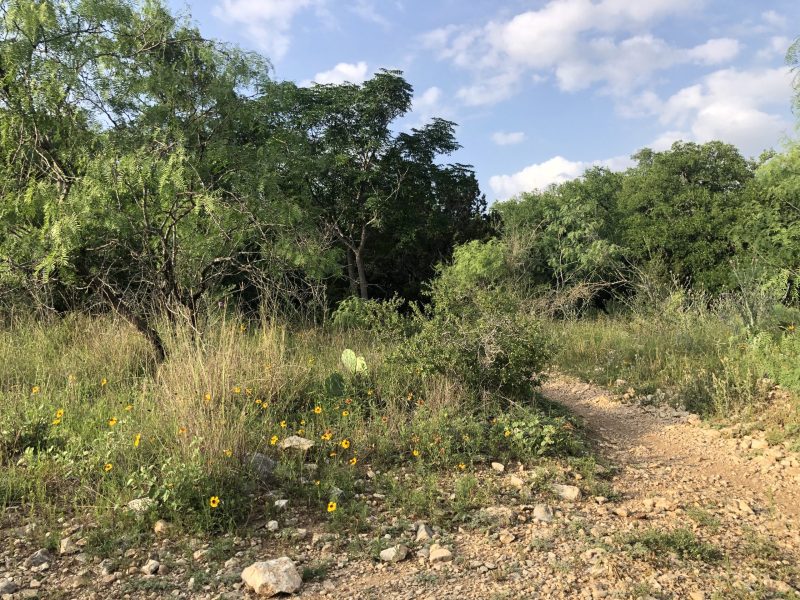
x=134 y=164
x=365 y=178
x=683 y=206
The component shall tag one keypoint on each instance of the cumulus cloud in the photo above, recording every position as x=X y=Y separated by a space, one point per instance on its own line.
x=266 y=22
x=581 y=42
x=342 y=73
x=742 y=107
x=502 y=138
x=555 y=170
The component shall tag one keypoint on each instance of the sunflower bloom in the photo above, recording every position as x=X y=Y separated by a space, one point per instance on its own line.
x=345 y=444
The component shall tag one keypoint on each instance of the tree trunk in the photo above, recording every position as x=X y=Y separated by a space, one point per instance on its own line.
x=351 y=272
x=362 y=275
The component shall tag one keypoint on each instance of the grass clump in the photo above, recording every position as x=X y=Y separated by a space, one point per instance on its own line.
x=653 y=544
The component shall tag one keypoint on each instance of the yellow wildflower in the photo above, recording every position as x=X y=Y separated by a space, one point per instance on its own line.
x=129 y=407
x=137 y=439
x=345 y=413
x=59 y=413
x=35 y=390
x=370 y=392
x=213 y=502
x=283 y=424
x=237 y=390
x=107 y=467
x=182 y=431
x=353 y=460
x=506 y=433
x=415 y=452
x=228 y=452
x=273 y=440
x=462 y=466
x=331 y=506
x=345 y=444
x=103 y=382
x=112 y=421
x=302 y=421
x=56 y=421
x=207 y=397
x=317 y=410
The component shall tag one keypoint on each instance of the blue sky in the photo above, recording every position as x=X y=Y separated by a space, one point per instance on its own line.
x=542 y=89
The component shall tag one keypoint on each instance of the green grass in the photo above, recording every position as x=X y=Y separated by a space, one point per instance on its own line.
x=655 y=544
x=88 y=422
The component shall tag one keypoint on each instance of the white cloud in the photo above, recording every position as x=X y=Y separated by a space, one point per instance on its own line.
x=502 y=138
x=366 y=10
x=552 y=171
x=774 y=19
x=581 y=42
x=341 y=73
x=266 y=22
x=426 y=105
x=775 y=48
x=739 y=107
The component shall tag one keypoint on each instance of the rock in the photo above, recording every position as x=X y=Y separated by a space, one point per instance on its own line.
x=7 y=586
x=273 y=526
x=759 y=445
x=439 y=554
x=38 y=558
x=697 y=596
x=499 y=467
x=107 y=567
x=295 y=441
x=516 y=482
x=67 y=547
x=501 y=515
x=543 y=513
x=281 y=504
x=141 y=505
x=161 y=527
x=200 y=555
x=261 y=465
x=566 y=492
x=506 y=537
x=150 y=567
x=424 y=533
x=272 y=577
x=394 y=554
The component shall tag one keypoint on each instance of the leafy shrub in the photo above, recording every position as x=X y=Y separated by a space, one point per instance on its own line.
x=371 y=315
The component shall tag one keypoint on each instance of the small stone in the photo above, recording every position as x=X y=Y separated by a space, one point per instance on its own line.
x=439 y=554
x=543 y=513
x=424 y=533
x=394 y=554
x=281 y=504
x=506 y=537
x=150 y=567
x=621 y=511
x=38 y=558
x=499 y=467
x=502 y=515
x=759 y=445
x=273 y=526
x=7 y=586
x=161 y=527
x=566 y=492
x=516 y=482
x=272 y=577
x=295 y=441
x=697 y=595
x=200 y=555
x=67 y=547
x=141 y=505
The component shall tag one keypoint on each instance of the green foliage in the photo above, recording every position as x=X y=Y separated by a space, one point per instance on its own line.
x=538 y=435
x=381 y=316
x=656 y=544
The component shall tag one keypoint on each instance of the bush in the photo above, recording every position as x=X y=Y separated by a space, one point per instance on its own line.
x=370 y=315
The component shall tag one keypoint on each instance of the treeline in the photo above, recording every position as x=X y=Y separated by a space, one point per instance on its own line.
x=146 y=169
x=699 y=217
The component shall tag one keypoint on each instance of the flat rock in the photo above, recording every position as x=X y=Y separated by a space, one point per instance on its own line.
x=38 y=558
x=272 y=577
x=7 y=586
x=439 y=554
x=566 y=492
x=543 y=513
x=499 y=467
x=67 y=547
x=295 y=441
x=161 y=527
x=394 y=554
x=424 y=533
x=150 y=567
x=261 y=464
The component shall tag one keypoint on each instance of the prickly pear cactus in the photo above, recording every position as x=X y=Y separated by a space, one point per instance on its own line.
x=355 y=365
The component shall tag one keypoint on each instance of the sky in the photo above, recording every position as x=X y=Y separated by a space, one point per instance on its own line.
x=543 y=89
